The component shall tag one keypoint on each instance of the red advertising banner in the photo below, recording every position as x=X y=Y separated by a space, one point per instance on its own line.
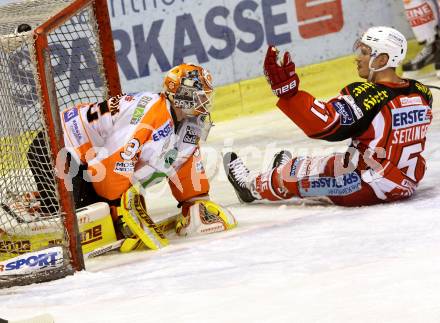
x=318 y=18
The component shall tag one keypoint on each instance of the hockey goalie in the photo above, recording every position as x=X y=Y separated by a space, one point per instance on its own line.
x=122 y=145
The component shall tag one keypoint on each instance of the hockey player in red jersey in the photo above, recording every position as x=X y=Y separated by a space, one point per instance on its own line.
x=134 y=140
x=423 y=17
x=386 y=118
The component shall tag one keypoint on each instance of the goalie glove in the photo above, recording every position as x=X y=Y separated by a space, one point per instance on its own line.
x=281 y=75
x=202 y=216
x=135 y=223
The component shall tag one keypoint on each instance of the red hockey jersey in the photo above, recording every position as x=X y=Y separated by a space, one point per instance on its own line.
x=386 y=122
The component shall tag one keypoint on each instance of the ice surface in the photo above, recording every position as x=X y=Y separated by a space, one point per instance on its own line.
x=300 y=262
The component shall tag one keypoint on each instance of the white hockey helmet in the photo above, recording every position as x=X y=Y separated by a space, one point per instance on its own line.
x=385 y=40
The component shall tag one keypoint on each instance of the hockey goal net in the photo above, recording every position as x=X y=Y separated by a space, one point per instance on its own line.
x=61 y=55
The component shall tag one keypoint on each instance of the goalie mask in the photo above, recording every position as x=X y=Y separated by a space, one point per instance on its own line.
x=189 y=89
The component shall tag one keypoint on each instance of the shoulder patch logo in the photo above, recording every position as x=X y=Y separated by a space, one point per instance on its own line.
x=345 y=112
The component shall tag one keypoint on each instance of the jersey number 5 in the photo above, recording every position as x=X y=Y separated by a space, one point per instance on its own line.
x=411 y=162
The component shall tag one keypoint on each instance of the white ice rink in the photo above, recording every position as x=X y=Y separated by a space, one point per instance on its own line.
x=301 y=262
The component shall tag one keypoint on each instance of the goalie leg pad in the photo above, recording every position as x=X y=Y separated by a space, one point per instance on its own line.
x=204 y=217
x=131 y=244
x=135 y=216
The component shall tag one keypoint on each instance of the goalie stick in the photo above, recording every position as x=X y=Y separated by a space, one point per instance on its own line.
x=164 y=225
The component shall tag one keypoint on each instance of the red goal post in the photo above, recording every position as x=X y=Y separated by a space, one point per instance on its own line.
x=66 y=58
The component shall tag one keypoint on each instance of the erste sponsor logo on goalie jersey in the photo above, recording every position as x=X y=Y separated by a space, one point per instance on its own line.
x=73 y=126
x=163 y=132
x=331 y=186
x=75 y=130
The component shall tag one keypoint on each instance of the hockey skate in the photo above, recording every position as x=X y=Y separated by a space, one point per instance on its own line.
x=281 y=158
x=424 y=58
x=239 y=176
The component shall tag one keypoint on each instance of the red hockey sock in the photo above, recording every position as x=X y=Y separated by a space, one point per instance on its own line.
x=284 y=179
x=269 y=186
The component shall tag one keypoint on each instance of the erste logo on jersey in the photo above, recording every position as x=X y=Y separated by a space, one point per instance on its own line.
x=410 y=123
x=354 y=107
x=410 y=116
x=163 y=131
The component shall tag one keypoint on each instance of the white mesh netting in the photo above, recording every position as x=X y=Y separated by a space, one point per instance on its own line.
x=31 y=218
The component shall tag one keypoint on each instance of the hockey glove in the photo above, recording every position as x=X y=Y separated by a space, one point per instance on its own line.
x=281 y=76
x=201 y=216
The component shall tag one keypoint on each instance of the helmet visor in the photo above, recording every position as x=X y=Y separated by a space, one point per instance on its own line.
x=359 y=48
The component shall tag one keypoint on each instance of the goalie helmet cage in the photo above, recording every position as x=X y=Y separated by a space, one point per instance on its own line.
x=66 y=58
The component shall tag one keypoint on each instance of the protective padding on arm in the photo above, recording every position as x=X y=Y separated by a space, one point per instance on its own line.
x=299 y=109
x=190 y=180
